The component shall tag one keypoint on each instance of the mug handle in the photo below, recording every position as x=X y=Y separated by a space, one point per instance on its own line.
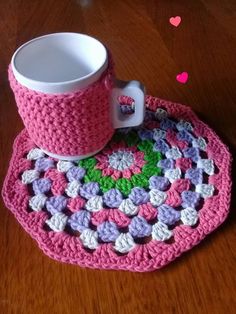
x=136 y=91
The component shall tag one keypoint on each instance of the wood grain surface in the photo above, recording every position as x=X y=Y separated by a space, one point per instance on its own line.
x=147 y=48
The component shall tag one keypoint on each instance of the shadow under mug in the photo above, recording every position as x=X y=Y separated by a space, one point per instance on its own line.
x=67 y=95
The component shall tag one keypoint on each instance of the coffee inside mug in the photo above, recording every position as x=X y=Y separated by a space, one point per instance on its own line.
x=46 y=62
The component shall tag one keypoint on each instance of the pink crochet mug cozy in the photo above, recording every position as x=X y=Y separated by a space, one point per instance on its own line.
x=67 y=95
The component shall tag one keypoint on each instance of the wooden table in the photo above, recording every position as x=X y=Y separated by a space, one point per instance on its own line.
x=147 y=48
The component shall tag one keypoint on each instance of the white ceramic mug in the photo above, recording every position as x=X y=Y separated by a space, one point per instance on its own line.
x=63 y=63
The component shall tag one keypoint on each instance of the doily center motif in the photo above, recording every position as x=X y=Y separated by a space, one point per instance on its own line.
x=121 y=160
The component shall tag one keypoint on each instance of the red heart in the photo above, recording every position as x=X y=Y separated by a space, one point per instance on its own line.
x=182 y=77
x=175 y=21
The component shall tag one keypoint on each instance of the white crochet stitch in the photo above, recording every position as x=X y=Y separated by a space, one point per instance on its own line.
x=199 y=143
x=29 y=176
x=89 y=238
x=64 y=166
x=206 y=190
x=35 y=153
x=94 y=204
x=124 y=243
x=161 y=114
x=189 y=216
x=207 y=165
x=57 y=222
x=160 y=232
x=72 y=189
x=37 y=202
x=184 y=125
x=173 y=174
x=121 y=160
x=157 y=197
x=128 y=207
x=173 y=153
x=158 y=134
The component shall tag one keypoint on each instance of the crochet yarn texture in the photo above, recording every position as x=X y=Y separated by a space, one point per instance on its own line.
x=69 y=124
x=152 y=193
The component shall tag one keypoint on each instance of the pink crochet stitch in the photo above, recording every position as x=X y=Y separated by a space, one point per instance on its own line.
x=70 y=124
x=140 y=222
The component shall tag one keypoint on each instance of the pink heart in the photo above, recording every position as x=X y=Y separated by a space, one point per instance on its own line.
x=182 y=77
x=175 y=21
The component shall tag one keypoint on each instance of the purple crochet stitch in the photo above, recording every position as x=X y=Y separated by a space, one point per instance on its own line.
x=43 y=164
x=139 y=227
x=166 y=163
x=161 y=146
x=113 y=198
x=56 y=204
x=159 y=183
x=80 y=220
x=166 y=124
x=192 y=153
x=190 y=199
x=195 y=175
x=145 y=134
x=108 y=231
x=89 y=189
x=75 y=173
x=185 y=136
x=139 y=196
x=168 y=214
x=149 y=115
x=41 y=186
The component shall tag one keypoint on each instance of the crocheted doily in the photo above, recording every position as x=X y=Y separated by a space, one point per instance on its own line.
x=151 y=194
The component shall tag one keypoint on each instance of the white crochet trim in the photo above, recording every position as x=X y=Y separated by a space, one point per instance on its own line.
x=189 y=216
x=128 y=207
x=160 y=232
x=173 y=174
x=37 y=202
x=161 y=114
x=124 y=243
x=207 y=165
x=94 y=204
x=57 y=222
x=72 y=189
x=206 y=190
x=35 y=153
x=184 y=125
x=89 y=238
x=159 y=134
x=64 y=166
x=173 y=153
x=157 y=197
x=199 y=143
x=29 y=176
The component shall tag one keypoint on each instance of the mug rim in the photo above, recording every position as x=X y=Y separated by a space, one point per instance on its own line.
x=87 y=79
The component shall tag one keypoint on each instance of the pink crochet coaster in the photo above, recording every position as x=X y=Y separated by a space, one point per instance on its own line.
x=151 y=194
